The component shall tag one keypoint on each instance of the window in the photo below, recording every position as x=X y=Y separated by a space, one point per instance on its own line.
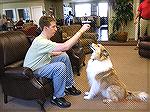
x=23 y=13
x=103 y=8
x=83 y=10
x=10 y=13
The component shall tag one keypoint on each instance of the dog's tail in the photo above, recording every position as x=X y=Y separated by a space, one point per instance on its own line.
x=142 y=96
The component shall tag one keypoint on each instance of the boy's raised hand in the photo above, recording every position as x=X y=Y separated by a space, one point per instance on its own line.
x=84 y=28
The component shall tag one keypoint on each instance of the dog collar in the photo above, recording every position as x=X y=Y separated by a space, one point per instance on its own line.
x=93 y=59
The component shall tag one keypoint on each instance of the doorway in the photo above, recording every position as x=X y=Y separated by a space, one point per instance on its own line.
x=36 y=13
x=103 y=13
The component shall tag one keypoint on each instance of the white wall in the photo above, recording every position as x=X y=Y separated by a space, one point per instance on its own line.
x=27 y=4
x=130 y=28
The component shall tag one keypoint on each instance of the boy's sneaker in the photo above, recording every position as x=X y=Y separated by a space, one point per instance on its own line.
x=72 y=91
x=61 y=102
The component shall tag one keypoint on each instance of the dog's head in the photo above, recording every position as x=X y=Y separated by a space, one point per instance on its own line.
x=99 y=52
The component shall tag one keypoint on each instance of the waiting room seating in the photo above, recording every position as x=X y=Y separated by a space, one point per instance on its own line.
x=30 y=31
x=18 y=81
x=86 y=40
x=144 y=47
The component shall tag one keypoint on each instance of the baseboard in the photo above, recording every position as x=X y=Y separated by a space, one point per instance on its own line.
x=114 y=43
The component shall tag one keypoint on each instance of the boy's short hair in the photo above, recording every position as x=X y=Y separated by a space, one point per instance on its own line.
x=45 y=21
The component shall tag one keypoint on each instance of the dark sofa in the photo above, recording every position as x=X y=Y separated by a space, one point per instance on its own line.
x=144 y=47
x=18 y=81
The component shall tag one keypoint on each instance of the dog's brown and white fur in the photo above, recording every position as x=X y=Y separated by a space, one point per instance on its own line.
x=103 y=79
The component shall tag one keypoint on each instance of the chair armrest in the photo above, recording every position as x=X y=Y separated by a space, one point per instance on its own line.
x=76 y=50
x=145 y=38
x=74 y=54
x=18 y=72
x=23 y=73
x=30 y=39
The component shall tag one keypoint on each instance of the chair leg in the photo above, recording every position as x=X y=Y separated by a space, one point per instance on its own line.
x=78 y=70
x=83 y=63
x=78 y=74
x=5 y=98
x=41 y=103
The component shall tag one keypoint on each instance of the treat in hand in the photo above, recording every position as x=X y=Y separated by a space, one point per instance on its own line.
x=84 y=28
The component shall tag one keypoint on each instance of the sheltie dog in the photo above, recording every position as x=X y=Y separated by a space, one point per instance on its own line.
x=104 y=80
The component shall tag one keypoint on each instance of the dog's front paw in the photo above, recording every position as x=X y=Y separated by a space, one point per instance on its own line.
x=87 y=97
x=143 y=96
x=86 y=93
x=107 y=100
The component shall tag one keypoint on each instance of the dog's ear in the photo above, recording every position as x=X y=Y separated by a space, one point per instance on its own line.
x=105 y=53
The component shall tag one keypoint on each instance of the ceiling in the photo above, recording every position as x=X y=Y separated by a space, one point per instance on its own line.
x=6 y=1
x=79 y=0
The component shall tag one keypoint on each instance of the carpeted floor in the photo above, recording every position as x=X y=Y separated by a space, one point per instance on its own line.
x=133 y=70
x=115 y=43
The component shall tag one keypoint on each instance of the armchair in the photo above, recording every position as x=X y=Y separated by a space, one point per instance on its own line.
x=18 y=81
x=30 y=31
x=144 y=47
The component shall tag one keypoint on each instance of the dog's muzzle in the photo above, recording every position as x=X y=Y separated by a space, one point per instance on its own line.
x=104 y=53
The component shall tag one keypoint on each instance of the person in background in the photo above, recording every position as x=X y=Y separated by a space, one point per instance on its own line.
x=48 y=59
x=3 y=23
x=144 y=13
x=69 y=19
x=19 y=24
x=10 y=24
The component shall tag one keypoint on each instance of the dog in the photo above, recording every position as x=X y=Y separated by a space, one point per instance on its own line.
x=103 y=79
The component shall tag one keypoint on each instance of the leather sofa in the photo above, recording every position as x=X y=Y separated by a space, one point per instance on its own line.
x=86 y=40
x=144 y=47
x=30 y=30
x=18 y=81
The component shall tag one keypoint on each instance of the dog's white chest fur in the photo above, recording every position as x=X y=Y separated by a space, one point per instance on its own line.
x=95 y=66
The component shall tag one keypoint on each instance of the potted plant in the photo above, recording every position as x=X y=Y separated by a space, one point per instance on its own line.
x=123 y=10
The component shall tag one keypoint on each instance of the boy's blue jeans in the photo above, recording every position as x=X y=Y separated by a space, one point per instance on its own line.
x=60 y=71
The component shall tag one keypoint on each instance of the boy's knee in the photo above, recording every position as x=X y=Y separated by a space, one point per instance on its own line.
x=65 y=56
x=61 y=65
x=60 y=70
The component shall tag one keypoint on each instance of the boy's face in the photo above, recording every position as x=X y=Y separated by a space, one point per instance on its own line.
x=51 y=30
